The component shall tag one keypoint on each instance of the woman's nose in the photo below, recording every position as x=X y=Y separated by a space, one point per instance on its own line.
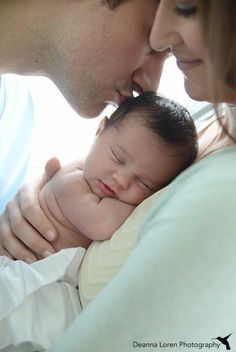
x=164 y=34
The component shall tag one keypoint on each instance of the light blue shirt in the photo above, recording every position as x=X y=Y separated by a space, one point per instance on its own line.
x=178 y=285
x=16 y=125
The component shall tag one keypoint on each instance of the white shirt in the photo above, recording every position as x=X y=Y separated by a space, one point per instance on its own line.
x=38 y=301
x=16 y=125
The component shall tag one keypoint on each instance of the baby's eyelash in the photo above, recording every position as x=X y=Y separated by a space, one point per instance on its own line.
x=117 y=159
x=144 y=184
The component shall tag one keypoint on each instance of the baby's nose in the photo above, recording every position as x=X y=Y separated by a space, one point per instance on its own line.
x=122 y=179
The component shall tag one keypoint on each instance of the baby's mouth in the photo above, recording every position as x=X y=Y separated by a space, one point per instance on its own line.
x=107 y=190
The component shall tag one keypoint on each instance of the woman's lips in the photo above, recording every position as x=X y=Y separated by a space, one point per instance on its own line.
x=185 y=65
x=106 y=190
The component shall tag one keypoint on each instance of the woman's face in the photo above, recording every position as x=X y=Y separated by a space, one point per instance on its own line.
x=178 y=26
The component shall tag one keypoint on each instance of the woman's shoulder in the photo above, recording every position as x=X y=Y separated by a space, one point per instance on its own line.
x=208 y=187
x=216 y=167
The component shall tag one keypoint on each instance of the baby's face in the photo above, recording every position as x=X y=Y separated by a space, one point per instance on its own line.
x=129 y=163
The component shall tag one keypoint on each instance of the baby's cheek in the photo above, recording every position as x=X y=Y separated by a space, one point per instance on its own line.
x=137 y=196
x=144 y=193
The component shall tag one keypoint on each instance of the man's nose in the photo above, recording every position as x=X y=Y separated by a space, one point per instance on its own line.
x=147 y=77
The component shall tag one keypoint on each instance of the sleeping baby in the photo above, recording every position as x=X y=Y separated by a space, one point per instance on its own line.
x=141 y=148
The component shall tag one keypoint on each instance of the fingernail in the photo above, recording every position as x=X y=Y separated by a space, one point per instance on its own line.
x=50 y=235
x=46 y=254
x=29 y=260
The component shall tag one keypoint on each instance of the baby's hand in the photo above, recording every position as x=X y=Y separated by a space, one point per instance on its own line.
x=24 y=228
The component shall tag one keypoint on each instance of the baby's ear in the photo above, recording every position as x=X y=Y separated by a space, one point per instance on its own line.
x=101 y=125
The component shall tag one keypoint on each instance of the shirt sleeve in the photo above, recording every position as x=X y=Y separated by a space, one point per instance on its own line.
x=16 y=128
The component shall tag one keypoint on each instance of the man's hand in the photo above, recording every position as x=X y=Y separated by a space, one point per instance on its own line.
x=24 y=228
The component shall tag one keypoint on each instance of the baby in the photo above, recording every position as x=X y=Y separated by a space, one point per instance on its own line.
x=139 y=150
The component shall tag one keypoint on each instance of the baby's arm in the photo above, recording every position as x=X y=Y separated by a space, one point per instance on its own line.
x=98 y=218
x=94 y=217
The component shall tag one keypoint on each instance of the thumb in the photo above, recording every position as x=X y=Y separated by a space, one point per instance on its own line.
x=51 y=167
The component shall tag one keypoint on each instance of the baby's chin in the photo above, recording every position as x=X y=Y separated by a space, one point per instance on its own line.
x=134 y=202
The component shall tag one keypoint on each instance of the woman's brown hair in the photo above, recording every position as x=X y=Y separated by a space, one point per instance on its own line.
x=219 y=21
x=219 y=18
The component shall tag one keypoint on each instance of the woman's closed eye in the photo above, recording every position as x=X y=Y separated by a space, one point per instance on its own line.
x=185 y=10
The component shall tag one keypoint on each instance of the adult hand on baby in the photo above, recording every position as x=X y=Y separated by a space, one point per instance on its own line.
x=24 y=228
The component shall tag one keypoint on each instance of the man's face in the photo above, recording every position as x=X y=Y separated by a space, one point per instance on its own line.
x=102 y=55
x=128 y=162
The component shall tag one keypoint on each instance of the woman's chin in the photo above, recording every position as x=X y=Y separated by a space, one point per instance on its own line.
x=196 y=92
x=203 y=91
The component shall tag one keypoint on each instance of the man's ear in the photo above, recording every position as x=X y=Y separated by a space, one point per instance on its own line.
x=101 y=125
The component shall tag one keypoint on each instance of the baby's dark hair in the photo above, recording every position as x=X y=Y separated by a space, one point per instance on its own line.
x=167 y=119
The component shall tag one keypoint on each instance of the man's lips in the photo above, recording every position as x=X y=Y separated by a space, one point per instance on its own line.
x=126 y=94
x=186 y=64
x=106 y=190
x=122 y=98
x=130 y=93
